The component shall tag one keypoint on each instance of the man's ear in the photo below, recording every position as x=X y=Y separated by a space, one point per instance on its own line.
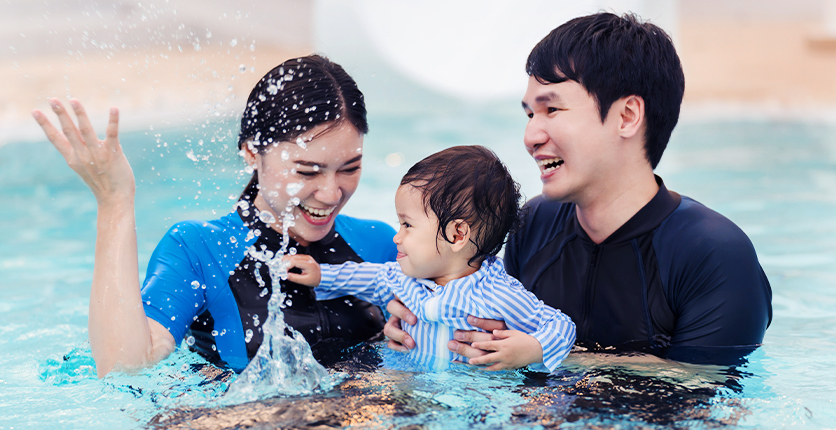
x=631 y=113
x=458 y=231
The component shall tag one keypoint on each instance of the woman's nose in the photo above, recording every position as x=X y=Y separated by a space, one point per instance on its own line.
x=329 y=192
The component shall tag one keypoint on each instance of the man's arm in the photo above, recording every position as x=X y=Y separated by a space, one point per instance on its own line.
x=714 y=284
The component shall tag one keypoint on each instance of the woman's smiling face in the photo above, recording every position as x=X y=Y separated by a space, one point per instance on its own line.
x=323 y=172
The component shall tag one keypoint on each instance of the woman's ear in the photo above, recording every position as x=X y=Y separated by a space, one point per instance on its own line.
x=250 y=156
x=458 y=231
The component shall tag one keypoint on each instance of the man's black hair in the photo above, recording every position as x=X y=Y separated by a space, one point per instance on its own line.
x=614 y=57
x=469 y=183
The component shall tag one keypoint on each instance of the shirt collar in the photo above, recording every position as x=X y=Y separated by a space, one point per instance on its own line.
x=645 y=220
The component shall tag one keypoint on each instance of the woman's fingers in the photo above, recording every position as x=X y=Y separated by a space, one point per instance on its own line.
x=112 y=132
x=84 y=126
x=53 y=134
x=67 y=126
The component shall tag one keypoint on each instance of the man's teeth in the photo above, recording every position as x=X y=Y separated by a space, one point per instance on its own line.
x=550 y=164
x=317 y=212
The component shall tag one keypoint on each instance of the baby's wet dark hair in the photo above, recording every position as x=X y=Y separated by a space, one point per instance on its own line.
x=469 y=183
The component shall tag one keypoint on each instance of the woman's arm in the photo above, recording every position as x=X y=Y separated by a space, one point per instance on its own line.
x=121 y=336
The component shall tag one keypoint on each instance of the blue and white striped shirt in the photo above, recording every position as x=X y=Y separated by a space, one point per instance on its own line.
x=489 y=293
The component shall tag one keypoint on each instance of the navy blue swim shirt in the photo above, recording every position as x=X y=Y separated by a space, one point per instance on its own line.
x=201 y=284
x=677 y=280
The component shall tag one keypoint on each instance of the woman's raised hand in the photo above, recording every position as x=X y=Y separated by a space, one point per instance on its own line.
x=100 y=163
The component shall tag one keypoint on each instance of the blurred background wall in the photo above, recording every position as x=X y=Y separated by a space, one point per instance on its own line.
x=172 y=61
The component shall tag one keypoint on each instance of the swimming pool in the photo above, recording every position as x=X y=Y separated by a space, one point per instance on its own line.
x=775 y=179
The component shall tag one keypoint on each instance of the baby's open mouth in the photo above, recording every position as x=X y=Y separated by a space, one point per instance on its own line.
x=317 y=214
x=550 y=164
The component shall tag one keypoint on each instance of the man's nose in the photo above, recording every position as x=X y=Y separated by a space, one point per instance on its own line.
x=535 y=135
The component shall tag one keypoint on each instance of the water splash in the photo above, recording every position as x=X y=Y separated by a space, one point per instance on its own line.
x=284 y=364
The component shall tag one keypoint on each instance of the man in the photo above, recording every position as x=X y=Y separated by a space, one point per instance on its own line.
x=637 y=267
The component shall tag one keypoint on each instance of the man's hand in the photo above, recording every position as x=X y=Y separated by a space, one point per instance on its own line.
x=464 y=338
x=513 y=350
x=311 y=274
x=398 y=339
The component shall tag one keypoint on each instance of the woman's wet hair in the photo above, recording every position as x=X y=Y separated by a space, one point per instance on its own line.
x=296 y=96
x=469 y=183
x=613 y=57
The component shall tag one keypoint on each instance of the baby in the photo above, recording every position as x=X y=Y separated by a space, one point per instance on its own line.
x=455 y=209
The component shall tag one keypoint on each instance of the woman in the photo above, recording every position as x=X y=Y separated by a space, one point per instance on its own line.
x=302 y=133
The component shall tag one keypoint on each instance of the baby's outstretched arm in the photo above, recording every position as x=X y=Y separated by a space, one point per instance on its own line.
x=311 y=273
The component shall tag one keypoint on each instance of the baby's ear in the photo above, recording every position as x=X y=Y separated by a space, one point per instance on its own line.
x=458 y=231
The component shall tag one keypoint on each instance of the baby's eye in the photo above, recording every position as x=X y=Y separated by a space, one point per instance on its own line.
x=406 y=225
x=553 y=110
x=529 y=114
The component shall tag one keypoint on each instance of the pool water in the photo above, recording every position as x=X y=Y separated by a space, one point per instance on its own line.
x=776 y=180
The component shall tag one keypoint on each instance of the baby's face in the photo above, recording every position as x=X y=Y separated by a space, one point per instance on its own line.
x=422 y=252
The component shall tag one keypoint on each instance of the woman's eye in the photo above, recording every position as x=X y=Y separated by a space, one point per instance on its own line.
x=351 y=170
x=307 y=174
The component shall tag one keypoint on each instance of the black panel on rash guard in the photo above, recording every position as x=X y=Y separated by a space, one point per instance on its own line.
x=326 y=325
x=677 y=280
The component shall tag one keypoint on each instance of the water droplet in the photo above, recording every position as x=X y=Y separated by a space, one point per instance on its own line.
x=214 y=332
x=301 y=142
x=190 y=340
x=242 y=68
x=248 y=336
x=293 y=188
x=233 y=42
x=195 y=285
x=266 y=217
x=285 y=156
x=273 y=89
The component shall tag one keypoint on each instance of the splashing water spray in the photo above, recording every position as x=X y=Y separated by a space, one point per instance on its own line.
x=284 y=364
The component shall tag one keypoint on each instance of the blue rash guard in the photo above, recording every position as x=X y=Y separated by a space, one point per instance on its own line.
x=677 y=280
x=201 y=283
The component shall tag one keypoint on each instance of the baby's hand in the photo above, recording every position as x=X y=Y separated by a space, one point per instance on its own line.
x=310 y=276
x=513 y=350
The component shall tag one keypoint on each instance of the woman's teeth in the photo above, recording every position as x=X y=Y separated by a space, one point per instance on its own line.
x=317 y=213
x=550 y=164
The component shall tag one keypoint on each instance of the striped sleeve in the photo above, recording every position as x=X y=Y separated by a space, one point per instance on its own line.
x=523 y=311
x=371 y=282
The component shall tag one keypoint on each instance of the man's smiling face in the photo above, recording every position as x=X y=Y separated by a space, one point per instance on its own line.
x=564 y=134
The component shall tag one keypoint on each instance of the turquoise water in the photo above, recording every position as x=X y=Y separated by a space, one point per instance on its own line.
x=777 y=180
